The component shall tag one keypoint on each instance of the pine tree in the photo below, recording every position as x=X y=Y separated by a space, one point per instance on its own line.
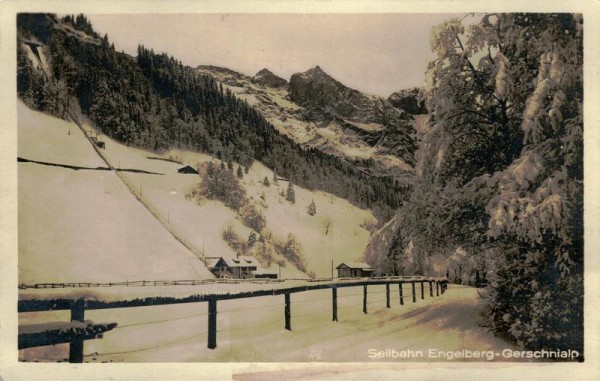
x=251 y=239
x=312 y=208
x=266 y=182
x=290 y=193
x=239 y=172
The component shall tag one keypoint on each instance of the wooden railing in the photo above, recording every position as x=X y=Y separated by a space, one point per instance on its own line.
x=79 y=306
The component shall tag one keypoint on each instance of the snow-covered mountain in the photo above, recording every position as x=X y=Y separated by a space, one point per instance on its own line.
x=317 y=111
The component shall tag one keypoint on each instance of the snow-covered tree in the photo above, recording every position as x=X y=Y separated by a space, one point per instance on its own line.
x=500 y=168
x=290 y=194
x=537 y=210
x=220 y=184
x=292 y=250
x=312 y=208
x=253 y=218
x=251 y=239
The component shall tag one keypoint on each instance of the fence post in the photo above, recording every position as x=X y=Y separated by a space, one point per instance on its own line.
x=76 y=345
x=334 y=303
x=212 y=323
x=422 y=290
x=387 y=295
x=430 y=289
x=365 y=298
x=414 y=292
x=401 y=291
x=288 y=312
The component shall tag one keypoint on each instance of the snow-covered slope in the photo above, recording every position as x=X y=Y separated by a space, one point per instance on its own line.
x=80 y=223
x=74 y=220
x=334 y=233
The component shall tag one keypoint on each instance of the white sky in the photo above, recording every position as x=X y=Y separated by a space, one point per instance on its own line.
x=375 y=53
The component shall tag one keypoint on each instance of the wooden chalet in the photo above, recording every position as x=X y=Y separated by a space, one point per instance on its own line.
x=354 y=270
x=240 y=267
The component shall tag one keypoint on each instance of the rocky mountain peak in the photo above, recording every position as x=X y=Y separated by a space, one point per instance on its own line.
x=266 y=78
x=316 y=74
x=316 y=89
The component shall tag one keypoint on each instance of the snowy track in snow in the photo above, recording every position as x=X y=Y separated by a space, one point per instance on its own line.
x=252 y=329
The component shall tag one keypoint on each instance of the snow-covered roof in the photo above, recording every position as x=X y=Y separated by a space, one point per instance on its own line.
x=211 y=262
x=356 y=265
x=242 y=261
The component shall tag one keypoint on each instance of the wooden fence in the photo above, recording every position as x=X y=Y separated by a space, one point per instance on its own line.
x=79 y=306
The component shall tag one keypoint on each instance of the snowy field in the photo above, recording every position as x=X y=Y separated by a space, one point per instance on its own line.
x=83 y=225
x=252 y=329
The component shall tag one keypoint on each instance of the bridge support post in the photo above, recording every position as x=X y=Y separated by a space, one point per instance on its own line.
x=334 y=304
x=437 y=288
x=365 y=299
x=288 y=312
x=387 y=295
x=212 y=323
x=431 y=289
x=76 y=345
x=414 y=292
x=422 y=290
x=401 y=292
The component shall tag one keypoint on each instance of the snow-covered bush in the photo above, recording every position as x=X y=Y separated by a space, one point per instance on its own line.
x=220 y=184
x=252 y=217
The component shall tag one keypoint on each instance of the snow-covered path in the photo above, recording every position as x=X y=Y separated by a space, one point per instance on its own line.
x=251 y=330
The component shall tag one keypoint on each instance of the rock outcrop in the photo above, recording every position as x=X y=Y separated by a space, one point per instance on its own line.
x=266 y=78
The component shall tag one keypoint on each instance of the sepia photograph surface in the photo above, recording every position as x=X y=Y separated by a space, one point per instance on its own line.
x=369 y=189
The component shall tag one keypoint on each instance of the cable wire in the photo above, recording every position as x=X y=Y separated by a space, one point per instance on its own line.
x=161 y=321
x=147 y=348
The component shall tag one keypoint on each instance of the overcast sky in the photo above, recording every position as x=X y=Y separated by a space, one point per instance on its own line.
x=375 y=53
